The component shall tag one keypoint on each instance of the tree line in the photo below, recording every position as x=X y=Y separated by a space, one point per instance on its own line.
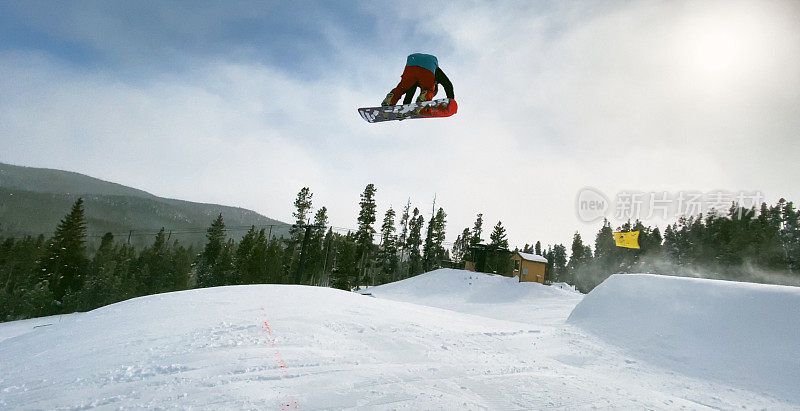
x=754 y=245
x=45 y=276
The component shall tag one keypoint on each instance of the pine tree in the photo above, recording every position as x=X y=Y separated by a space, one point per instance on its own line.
x=549 y=273
x=538 y=248
x=346 y=265
x=366 y=231
x=498 y=236
x=223 y=269
x=790 y=236
x=242 y=259
x=19 y=265
x=433 y=251
x=65 y=262
x=329 y=247
x=428 y=253
x=302 y=205
x=321 y=221
x=162 y=267
x=606 y=254
x=437 y=236
x=670 y=244
x=477 y=229
x=655 y=241
x=578 y=256
x=461 y=246
x=697 y=248
x=387 y=254
x=560 y=263
x=316 y=252
x=401 y=240
x=182 y=261
x=498 y=261
x=579 y=273
x=455 y=252
x=413 y=243
x=100 y=282
x=768 y=251
x=207 y=274
x=126 y=266
x=153 y=266
x=274 y=269
x=254 y=267
x=576 y=259
x=465 y=238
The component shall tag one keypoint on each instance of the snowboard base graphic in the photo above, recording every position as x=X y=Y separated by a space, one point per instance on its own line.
x=435 y=108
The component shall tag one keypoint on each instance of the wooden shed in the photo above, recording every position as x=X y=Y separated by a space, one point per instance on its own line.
x=529 y=267
x=485 y=258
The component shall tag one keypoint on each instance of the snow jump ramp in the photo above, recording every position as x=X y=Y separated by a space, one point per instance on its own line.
x=744 y=334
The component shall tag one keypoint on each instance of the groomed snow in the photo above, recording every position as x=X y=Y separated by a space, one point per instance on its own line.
x=487 y=295
x=447 y=339
x=744 y=334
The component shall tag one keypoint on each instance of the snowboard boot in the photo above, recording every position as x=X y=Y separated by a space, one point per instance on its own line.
x=423 y=96
x=388 y=100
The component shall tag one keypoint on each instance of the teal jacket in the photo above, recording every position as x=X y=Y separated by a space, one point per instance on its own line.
x=426 y=61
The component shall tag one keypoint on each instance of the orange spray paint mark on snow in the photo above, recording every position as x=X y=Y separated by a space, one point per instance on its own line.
x=292 y=403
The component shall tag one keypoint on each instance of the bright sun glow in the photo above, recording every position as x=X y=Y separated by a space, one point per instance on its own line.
x=717 y=50
x=725 y=45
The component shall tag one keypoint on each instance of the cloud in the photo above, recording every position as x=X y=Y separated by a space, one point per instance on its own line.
x=245 y=105
x=585 y=93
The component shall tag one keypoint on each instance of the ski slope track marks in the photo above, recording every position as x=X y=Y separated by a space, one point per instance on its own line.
x=448 y=339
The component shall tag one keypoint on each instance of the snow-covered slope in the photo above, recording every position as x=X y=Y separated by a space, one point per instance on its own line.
x=740 y=333
x=487 y=295
x=492 y=343
x=246 y=346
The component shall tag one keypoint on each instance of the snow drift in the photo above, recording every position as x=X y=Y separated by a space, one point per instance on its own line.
x=741 y=333
x=487 y=295
x=467 y=286
x=249 y=347
x=492 y=343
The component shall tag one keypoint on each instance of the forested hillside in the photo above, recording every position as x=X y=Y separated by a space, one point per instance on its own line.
x=33 y=200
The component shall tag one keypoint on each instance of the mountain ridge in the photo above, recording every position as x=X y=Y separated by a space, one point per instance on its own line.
x=33 y=200
x=51 y=180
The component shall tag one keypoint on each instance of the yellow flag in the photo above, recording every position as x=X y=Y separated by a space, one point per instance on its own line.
x=628 y=239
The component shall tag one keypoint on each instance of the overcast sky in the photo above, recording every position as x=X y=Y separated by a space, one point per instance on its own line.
x=244 y=103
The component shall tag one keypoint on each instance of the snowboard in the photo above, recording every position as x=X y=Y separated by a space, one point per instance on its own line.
x=435 y=108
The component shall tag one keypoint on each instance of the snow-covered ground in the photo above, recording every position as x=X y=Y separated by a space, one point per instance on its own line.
x=739 y=333
x=448 y=339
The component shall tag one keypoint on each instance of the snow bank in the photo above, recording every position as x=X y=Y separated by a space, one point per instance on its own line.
x=16 y=328
x=488 y=295
x=565 y=286
x=468 y=286
x=243 y=347
x=740 y=333
x=296 y=347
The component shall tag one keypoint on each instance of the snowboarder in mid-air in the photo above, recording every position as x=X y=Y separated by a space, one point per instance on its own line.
x=422 y=71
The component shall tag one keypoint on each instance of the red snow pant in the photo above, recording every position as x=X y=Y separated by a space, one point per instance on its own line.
x=411 y=75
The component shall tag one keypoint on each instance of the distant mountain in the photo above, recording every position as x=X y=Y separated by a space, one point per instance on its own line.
x=34 y=200
x=46 y=180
